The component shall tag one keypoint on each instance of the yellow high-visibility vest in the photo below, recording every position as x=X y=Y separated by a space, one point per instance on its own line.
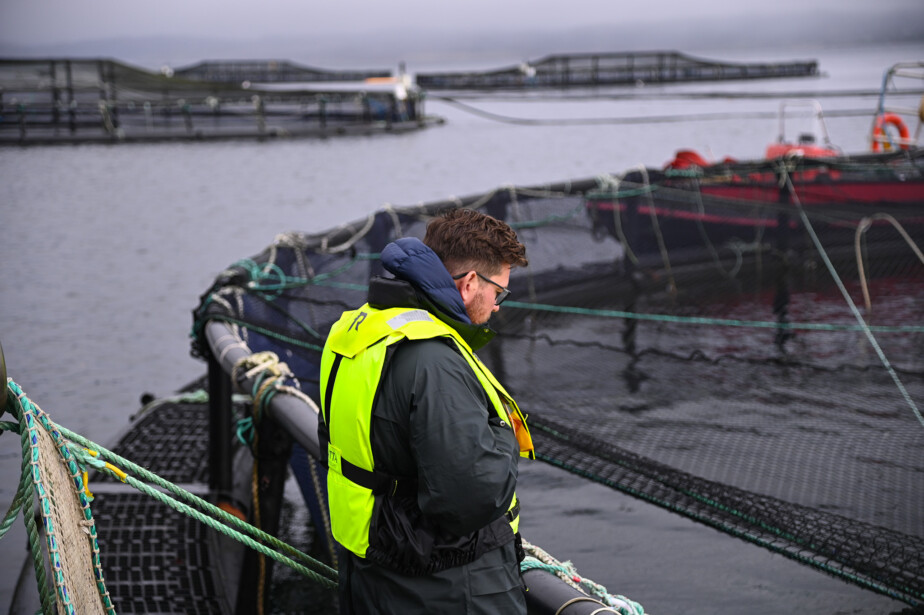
x=351 y=367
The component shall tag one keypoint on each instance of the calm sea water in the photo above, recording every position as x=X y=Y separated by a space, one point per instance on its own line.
x=105 y=251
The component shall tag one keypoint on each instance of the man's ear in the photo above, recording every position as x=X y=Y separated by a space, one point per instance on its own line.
x=467 y=286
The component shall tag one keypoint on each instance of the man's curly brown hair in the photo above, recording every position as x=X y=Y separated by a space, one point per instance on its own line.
x=467 y=240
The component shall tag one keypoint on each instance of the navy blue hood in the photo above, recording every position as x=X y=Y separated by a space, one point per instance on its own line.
x=412 y=260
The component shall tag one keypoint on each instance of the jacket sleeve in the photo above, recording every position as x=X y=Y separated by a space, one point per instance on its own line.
x=466 y=458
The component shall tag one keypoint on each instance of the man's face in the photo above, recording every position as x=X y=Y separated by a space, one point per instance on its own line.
x=479 y=295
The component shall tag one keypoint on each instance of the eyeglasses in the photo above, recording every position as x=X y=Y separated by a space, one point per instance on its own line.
x=503 y=294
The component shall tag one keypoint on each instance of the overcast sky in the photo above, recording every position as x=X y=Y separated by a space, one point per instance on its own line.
x=362 y=24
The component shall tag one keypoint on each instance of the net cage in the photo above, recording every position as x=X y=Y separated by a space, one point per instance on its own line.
x=593 y=69
x=753 y=364
x=61 y=97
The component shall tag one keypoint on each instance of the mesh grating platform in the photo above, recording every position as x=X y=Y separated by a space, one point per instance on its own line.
x=171 y=440
x=155 y=559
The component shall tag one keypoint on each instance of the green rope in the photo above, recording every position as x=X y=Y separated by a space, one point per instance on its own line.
x=219 y=520
x=699 y=320
x=608 y=194
x=16 y=505
x=31 y=419
x=225 y=518
x=12 y=513
x=245 y=431
x=278 y=281
x=239 y=530
x=26 y=494
x=561 y=309
x=266 y=332
x=552 y=219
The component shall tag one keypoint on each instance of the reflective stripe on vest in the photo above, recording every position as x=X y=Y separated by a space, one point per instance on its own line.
x=356 y=350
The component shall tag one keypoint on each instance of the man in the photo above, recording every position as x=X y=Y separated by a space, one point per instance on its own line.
x=422 y=441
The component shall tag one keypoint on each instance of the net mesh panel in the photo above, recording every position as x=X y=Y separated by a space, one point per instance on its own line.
x=711 y=399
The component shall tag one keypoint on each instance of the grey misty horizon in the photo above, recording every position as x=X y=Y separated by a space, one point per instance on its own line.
x=483 y=47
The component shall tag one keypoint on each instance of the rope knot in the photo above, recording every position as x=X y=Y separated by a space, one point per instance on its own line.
x=265 y=363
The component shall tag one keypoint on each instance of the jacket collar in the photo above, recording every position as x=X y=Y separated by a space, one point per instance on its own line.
x=411 y=260
x=422 y=281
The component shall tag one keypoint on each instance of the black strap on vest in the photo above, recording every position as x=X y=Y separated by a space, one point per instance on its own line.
x=379 y=482
x=514 y=512
x=330 y=388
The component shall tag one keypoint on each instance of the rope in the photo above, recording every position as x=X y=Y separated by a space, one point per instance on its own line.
x=90 y=454
x=26 y=495
x=865 y=224
x=672 y=285
x=108 y=462
x=269 y=373
x=611 y=184
x=646 y=119
x=736 y=246
x=853 y=308
x=702 y=320
x=70 y=531
x=346 y=245
x=539 y=559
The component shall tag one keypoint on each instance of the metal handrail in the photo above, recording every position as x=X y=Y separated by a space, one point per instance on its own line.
x=297 y=418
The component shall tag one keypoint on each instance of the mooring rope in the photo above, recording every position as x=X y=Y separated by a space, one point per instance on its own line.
x=867 y=330
x=644 y=119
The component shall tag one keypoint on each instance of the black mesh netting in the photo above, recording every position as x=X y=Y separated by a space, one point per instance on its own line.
x=679 y=336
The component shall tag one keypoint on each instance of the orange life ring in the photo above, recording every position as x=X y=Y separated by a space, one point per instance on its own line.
x=879 y=135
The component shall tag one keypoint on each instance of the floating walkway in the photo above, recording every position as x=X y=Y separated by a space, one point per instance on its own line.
x=604 y=69
x=54 y=101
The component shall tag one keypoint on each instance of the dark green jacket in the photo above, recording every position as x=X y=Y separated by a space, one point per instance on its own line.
x=432 y=420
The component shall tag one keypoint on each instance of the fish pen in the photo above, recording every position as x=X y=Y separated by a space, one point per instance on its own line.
x=768 y=386
x=605 y=69
x=78 y=101
x=270 y=71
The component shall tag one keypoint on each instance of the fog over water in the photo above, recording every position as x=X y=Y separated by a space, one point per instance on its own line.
x=469 y=34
